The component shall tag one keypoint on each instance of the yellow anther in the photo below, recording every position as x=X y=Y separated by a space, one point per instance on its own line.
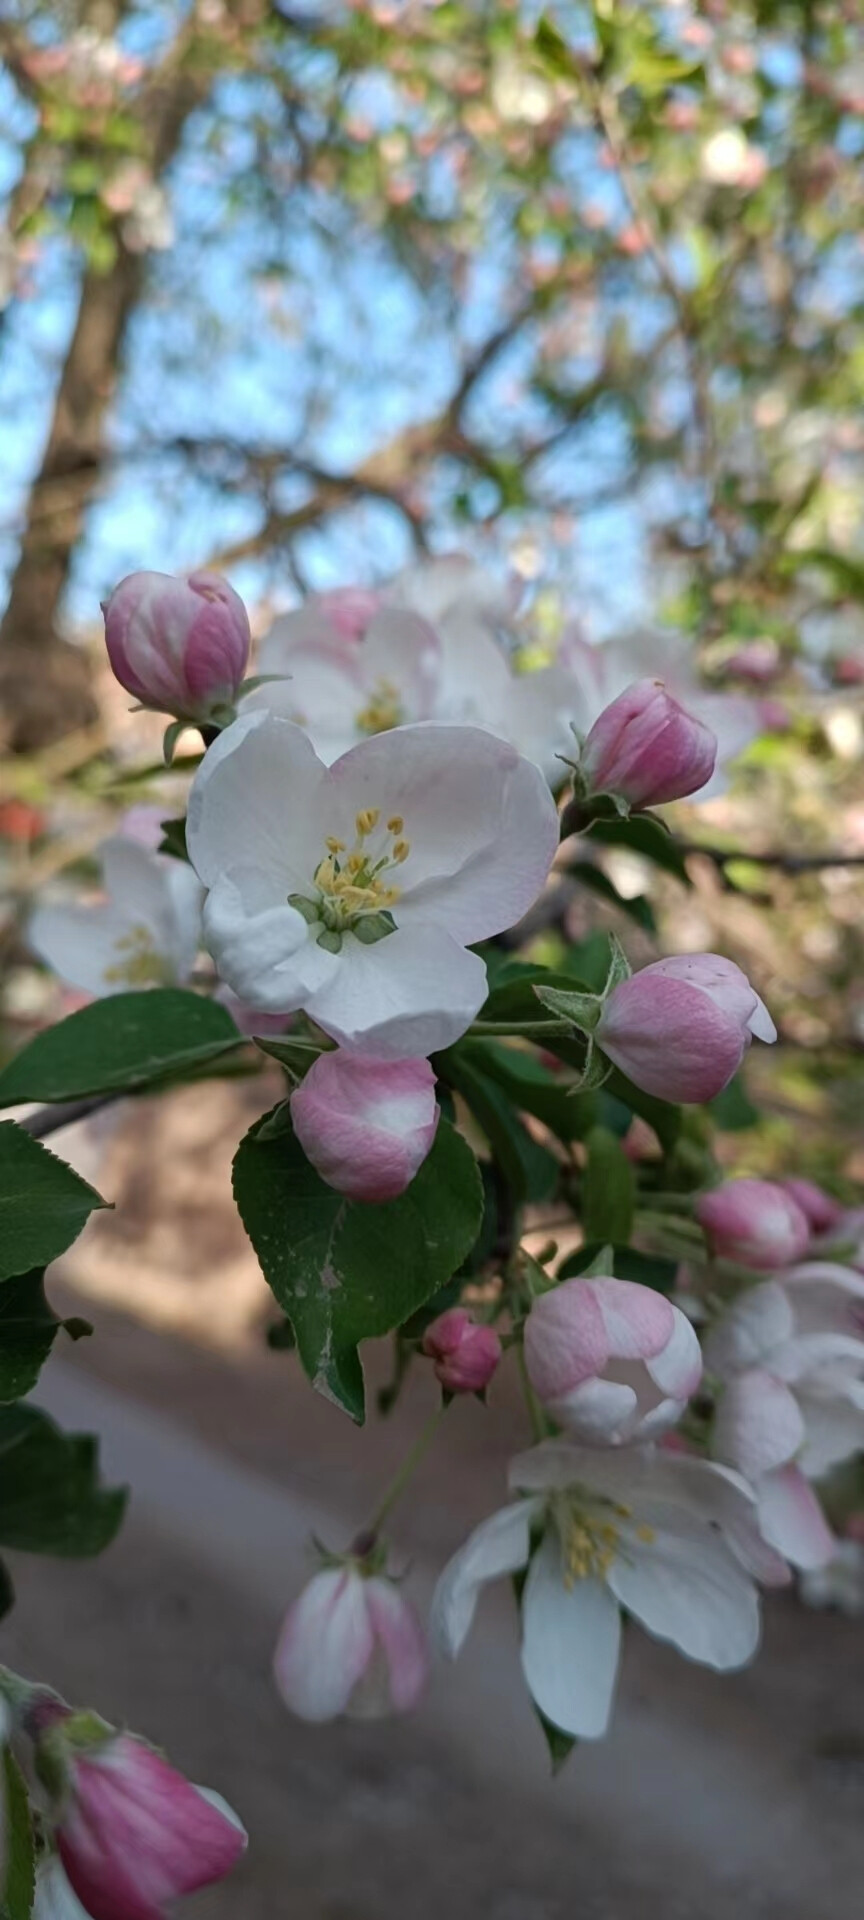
x=396 y=824
x=645 y=1533
x=333 y=845
x=138 y=964
x=354 y=863
x=367 y=821
x=401 y=851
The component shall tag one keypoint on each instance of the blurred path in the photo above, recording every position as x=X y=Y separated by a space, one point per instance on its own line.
x=711 y=1799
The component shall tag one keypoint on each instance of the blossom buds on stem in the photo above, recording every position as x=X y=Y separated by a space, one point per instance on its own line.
x=179 y=646
x=643 y=749
x=132 y=1834
x=754 y=1222
x=611 y=1360
x=366 y=1124
x=351 y=1644
x=466 y=1355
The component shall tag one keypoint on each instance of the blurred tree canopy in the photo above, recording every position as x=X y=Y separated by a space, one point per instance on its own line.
x=301 y=289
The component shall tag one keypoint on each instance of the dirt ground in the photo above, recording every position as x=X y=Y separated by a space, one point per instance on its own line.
x=732 y=1799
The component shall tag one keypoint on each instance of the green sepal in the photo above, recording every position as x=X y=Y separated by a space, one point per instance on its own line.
x=372 y=927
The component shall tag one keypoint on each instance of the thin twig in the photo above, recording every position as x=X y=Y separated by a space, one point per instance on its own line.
x=64 y=1113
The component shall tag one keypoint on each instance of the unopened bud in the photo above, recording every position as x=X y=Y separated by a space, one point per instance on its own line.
x=179 y=646
x=646 y=748
x=465 y=1355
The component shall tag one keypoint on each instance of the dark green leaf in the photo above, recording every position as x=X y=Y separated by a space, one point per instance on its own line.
x=733 y=1110
x=173 y=839
x=27 y=1330
x=659 y=1114
x=120 y=1044
x=19 y=1867
x=643 y=834
x=7 y=1591
x=560 y=1744
x=608 y=1190
x=532 y=1087
x=638 y=907
x=345 y=1272
x=530 y=1170
x=43 y=1204
x=625 y=1263
x=51 y=1500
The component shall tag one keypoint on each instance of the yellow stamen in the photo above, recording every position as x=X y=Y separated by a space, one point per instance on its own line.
x=142 y=965
x=367 y=821
x=396 y=824
x=646 y=1533
x=401 y=851
x=333 y=845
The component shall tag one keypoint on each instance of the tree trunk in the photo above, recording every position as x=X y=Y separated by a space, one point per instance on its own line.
x=44 y=681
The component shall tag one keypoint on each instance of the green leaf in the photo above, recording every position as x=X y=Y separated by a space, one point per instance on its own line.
x=51 y=1500
x=533 y=1088
x=119 y=1045
x=530 y=1170
x=608 y=1190
x=638 y=907
x=659 y=1114
x=646 y=835
x=344 y=1272
x=19 y=1865
x=625 y=1263
x=733 y=1110
x=43 y=1204
x=173 y=839
x=27 y=1330
x=559 y=1744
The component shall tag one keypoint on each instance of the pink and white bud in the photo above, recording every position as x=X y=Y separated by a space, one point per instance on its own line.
x=465 y=1355
x=821 y=1210
x=132 y=1834
x=366 y=1124
x=754 y=1222
x=680 y=1028
x=350 y=1644
x=613 y=1361
x=759 y=1430
x=180 y=646
x=646 y=748
x=349 y=609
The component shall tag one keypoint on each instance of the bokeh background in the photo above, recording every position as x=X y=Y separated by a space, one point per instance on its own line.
x=305 y=292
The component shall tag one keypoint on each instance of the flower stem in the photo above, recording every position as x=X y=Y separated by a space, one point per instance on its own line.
x=405 y=1472
x=520 y=1029
x=536 y=1415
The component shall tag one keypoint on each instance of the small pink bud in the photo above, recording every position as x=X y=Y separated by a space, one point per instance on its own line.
x=349 y=609
x=465 y=1355
x=131 y=1833
x=613 y=1361
x=350 y=1644
x=180 y=646
x=681 y=1027
x=821 y=1209
x=755 y=1223
x=366 y=1124
x=646 y=748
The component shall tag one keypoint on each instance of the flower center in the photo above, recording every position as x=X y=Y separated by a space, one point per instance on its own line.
x=353 y=893
x=590 y=1533
x=138 y=963
x=383 y=710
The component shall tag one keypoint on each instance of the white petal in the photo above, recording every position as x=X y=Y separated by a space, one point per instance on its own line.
x=541 y=707
x=555 y=1465
x=324 y=695
x=792 y=1520
x=255 y=799
x=758 y=1424
x=834 y=1431
x=54 y=1898
x=598 y=1412
x=684 y=1585
x=571 y=1639
x=264 y=954
x=498 y=1546
x=749 y=1331
x=325 y=1646
x=481 y=823
x=401 y=649
x=79 y=944
x=408 y=995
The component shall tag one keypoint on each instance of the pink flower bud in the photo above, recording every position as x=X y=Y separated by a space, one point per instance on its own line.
x=180 y=646
x=647 y=748
x=821 y=1209
x=350 y=1644
x=132 y=1834
x=611 y=1360
x=754 y=1222
x=465 y=1355
x=366 y=1124
x=349 y=609
x=681 y=1027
